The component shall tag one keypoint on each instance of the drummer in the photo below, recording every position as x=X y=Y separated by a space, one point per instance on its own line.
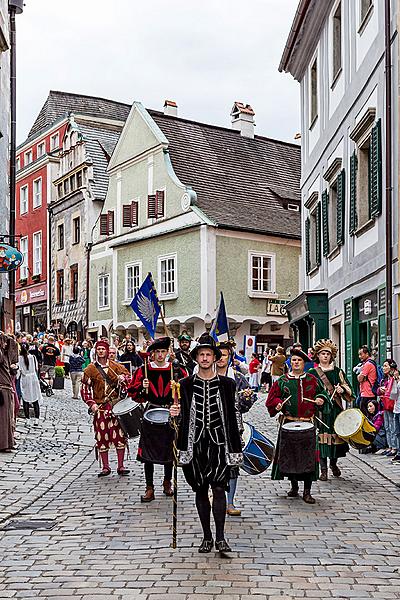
x=296 y=396
x=341 y=397
x=100 y=386
x=152 y=383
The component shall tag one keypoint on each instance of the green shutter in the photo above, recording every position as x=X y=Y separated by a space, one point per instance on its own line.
x=353 y=193
x=325 y=223
x=307 y=245
x=340 y=204
x=318 y=234
x=375 y=171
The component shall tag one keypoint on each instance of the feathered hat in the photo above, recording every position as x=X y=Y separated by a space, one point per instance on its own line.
x=327 y=345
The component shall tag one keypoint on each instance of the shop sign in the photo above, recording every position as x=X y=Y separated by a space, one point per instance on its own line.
x=26 y=310
x=24 y=297
x=31 y=295
x=347 y=311
x=382 y=300
x=10 y=258
x=368 y=306
x=276 y=308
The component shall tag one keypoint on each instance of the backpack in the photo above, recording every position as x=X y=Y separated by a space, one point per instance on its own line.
x=379 y=376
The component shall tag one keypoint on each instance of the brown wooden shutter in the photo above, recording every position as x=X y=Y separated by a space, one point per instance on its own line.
x=103 y=224
x=126 y=215
x=134 y=214
x=160 y=203
x=110 y=222
x=151 y=206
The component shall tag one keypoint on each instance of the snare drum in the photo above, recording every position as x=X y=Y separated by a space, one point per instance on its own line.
x=155 y=444
x=129 y=415
x=157 y=416
x=353 y=426
x=258 y=451
x=297 y=445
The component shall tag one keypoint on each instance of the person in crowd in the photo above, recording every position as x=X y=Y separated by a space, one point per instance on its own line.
x=277 y=361
x=396 y=414
x=340 y=394
x=308 y=365
x=113 y=353
x=208 y=439
x=386 y=386
x=66 y=352
x=367 y=379
x=8 y=397
x=183 y=352
x=35 y=351
x=86 y=347
x=50 y=353
x=375 y=416
x=266 y=378
x=76 y=363
x=254 y=370
x=131 y=356
x=30 y=386
x=59 y=342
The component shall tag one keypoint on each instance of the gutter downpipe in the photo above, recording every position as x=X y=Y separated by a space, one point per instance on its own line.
x=388 y=179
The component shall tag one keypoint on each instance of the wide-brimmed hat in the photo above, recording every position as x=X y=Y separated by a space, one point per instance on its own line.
x=300 y=354
x=162 y=343
x=206 y=341
x=327 y=345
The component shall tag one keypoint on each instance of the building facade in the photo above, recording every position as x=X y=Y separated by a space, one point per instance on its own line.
x=336 y=52
x=4 y=145
x=205 y=209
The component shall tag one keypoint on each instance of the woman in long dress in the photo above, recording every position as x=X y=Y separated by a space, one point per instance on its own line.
x=30 y=386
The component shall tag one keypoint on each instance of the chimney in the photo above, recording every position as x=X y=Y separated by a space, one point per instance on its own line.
x=170 y=108
x=243 y=119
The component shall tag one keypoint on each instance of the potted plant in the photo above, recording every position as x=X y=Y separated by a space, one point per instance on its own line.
x=58 y=382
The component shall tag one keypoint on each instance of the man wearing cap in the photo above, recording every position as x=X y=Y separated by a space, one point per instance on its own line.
x=100 y=385
x=183 y=352
x=151 y=383
x=208 y=439
x=297 y=397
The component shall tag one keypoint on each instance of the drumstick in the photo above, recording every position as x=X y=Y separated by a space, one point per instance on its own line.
x=324 y=424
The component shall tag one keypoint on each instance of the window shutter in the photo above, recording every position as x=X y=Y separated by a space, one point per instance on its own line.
x=325 y=223
x=151 y=206
x=134 y=214
x=126 y=215
x=110 y=222
x=307 y=245
x=375 y=177
x=318 y=235
x=160 y=203
x=340 y=204
x=353 y=193
x=103 y=224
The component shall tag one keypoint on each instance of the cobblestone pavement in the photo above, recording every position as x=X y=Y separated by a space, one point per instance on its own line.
x=96 y=541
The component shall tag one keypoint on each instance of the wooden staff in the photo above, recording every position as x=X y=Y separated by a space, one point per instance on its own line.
x=145 y=371
x=176 y=395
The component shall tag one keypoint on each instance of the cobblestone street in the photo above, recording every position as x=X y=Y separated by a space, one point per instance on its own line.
x=65 y=533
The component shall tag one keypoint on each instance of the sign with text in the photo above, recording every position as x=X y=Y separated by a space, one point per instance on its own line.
x=276 y=308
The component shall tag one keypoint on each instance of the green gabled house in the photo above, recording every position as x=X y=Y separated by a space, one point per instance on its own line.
x=205 y=209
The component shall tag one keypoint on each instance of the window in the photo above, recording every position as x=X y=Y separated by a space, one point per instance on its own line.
x=28 y=157
x=130 y=214
x=365 y=9
x=107 y=223
x=294 y=207
x=41 y=149
x=103 y=298
x=24 y=252
x=37 y=193
x=337 y=42
x=60 y=236
x=72 y=183
x=66 y=187
x=167 y=276
x=73 y=279
x=60 y=190
x=54 y=141
x=79 y=179
x=313 y=238
x=18 y=163
x=132 y=280
x=60 y=286
x=156 y=205
x=261 y=274
x=37 y=253
x=23 y=200
x=333 y=209
x=313 y=92
x=76 y=230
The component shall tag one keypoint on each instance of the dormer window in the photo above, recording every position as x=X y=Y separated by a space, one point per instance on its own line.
x=28 y=157
x=294 y=207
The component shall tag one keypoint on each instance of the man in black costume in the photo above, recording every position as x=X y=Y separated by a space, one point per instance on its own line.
x=208 y=439
x=183 y=352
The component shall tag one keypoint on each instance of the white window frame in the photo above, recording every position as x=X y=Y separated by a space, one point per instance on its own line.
x=102 y=305
x=21 y=190
x=257 y=293
x=137 y=263
x=54 y=141
x=34 y=204
x=312 y=119
x=24 y=271
x=28 y=153
x=37 y=261
x=18 y=163
x=160 y=260
x=41 y=145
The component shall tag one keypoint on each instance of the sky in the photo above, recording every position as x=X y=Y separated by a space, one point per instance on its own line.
x=203 y=55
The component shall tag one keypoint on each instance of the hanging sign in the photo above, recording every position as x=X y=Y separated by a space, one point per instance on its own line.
x=10 y=258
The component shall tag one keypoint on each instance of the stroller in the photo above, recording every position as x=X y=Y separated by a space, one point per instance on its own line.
x=45 y=388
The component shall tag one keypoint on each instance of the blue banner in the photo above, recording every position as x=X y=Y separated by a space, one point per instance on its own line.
x=220 y=325
x=146 y=305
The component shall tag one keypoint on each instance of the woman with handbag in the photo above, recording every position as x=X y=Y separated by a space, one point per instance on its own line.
x=30 y=386
x=386 y=387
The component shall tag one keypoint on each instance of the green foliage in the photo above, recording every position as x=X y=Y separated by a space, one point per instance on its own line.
x=59 y=371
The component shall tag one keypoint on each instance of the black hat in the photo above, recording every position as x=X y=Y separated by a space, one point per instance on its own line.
x=162 y=343
x=206 y=341
x=300 y=353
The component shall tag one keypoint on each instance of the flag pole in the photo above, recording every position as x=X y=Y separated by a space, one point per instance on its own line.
x=176 y=394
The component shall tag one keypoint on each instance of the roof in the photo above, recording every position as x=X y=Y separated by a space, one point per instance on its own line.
x=59 y=104
x=241 y=183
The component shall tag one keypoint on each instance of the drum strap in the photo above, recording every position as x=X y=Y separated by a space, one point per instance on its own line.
x=106 y=378
x=329 y=386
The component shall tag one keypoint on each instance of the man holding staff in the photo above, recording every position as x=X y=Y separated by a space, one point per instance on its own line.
x=208 y=439
x=297 y=396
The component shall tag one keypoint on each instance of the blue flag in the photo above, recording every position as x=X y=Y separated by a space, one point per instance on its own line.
x=146 y=305
x=220 y=325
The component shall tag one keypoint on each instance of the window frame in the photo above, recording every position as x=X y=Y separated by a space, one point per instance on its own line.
x=24 y=270
x=26 y=161
x=76 y=239
x=313 y=118
x=136 y=263
x=34 y=248
x=34 y=205
x=60 y=276
x=53 y=145
x=103 y=277
x=74 y=278
x=364 y=15
x=40 y=145
x=260 y=293
x=337 y=69
x=61 y=227
x=160 y=259
x=24 y=187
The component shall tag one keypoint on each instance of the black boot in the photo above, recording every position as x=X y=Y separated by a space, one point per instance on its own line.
x=294 y=490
